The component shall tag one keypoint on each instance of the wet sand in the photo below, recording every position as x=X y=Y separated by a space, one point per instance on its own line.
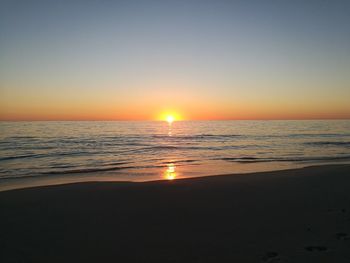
x=300 y=215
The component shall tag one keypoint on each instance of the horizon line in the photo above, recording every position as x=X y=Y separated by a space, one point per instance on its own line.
x=150 y=120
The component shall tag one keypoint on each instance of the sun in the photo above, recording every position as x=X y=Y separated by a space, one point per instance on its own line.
x=170 y=119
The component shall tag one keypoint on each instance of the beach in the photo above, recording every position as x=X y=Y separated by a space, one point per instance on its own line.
x=296 y=215
x=174 y=131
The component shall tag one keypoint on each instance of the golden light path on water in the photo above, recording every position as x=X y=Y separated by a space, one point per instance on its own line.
x=170 y=172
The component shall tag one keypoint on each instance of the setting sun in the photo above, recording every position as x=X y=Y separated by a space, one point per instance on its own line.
x=170 y=118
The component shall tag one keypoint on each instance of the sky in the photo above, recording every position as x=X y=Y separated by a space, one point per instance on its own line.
x=199 y=60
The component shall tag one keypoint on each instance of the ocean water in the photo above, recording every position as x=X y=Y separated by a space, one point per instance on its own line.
x=141 y=151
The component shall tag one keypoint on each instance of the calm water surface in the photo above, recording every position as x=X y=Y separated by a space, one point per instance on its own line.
x=141 y=151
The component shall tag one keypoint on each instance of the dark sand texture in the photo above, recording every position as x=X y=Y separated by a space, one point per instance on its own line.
x=300 y=215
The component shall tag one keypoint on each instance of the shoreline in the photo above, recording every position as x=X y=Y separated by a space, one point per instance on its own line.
x=295 y=215
x=9 y=184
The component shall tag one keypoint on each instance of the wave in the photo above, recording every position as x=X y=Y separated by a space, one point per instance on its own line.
x=335 y=135
x=96 y=170
x=180 y=161
x=115 y=163
x=42 y=155
x=86 y=170
x=197 y=136
x=161 y=165
x=7 y=158
x=328 y=143
x=21 y=137
x=286 y=159
x=188 y=148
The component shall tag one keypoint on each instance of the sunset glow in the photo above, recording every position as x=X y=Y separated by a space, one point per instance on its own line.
x=138 y=62
x=169 y=117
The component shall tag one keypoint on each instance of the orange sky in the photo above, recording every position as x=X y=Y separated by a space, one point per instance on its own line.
x=150 y=109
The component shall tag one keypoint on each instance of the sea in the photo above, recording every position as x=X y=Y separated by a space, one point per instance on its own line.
x=45 y=152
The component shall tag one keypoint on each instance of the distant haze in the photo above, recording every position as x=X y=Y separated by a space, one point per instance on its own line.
x=134 y=60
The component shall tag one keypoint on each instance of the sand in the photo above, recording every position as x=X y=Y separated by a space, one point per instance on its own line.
x=300 y=215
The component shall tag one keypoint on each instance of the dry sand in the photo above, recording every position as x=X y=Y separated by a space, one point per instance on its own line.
x=300 y=215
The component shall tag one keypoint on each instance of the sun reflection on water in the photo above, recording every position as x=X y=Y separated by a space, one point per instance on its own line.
x=170 y=131
x=170 y=173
